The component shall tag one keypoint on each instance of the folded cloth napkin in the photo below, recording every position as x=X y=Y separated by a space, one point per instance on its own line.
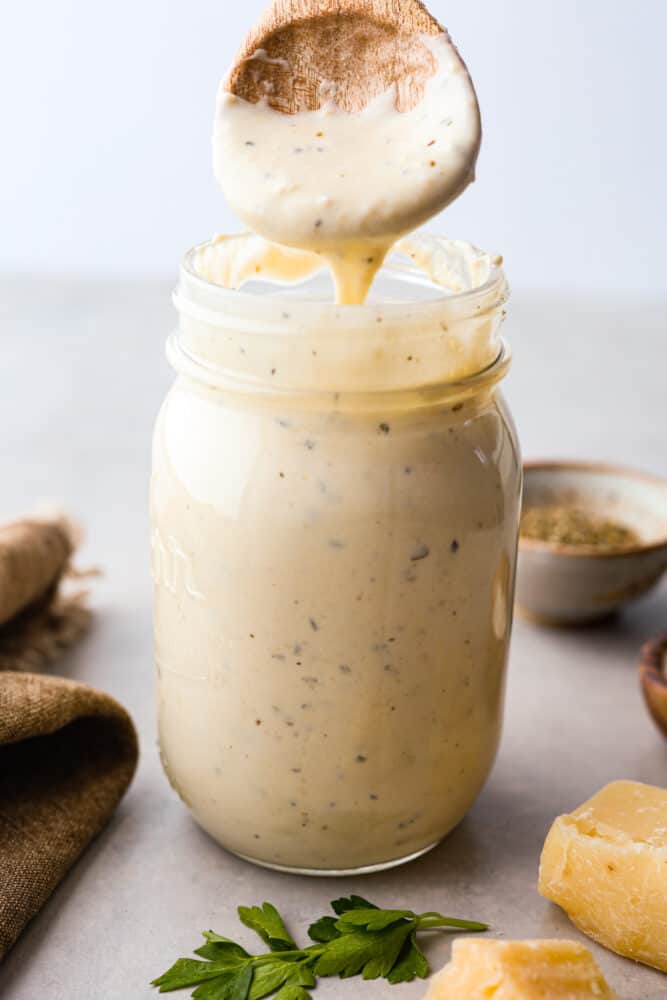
x=40 y=613
x=67 y=752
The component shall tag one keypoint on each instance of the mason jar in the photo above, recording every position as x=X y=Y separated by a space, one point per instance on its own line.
x=335 y=506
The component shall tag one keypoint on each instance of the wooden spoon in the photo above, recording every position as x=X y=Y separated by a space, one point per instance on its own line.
x=303 y=53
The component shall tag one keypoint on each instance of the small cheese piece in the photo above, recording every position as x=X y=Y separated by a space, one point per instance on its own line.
x=520 y=970
x=606 y=865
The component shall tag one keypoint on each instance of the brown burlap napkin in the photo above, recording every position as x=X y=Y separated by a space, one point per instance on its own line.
x=40 y=613
x=67 y=752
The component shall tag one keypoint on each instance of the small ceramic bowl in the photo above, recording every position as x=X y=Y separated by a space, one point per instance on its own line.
x=653 y=674
x=560 y=584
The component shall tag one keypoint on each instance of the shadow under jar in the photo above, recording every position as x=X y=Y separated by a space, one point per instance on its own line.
x=335 y=505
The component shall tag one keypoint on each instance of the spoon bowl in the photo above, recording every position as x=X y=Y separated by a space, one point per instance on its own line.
x=303 y=53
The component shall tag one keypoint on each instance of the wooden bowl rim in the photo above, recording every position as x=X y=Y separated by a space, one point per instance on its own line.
x=652 y=659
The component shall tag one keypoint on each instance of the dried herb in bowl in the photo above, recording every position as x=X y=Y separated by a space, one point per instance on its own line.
x=566 y=524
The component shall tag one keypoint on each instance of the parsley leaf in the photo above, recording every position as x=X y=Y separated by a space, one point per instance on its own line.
x=341 y=906
x=270 y=926
x=372 y=920
x=323 y=930
x=272 y=974
x=361 y=939
x=189 y=972
x=372 y=954
x=290 y=992
x=235 y=987
x=411 y=963
x=219 y=949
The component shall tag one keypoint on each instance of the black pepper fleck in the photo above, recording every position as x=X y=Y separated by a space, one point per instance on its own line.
x=384 y=428
x=313 y=624
x=360 y=759
x=454 y=547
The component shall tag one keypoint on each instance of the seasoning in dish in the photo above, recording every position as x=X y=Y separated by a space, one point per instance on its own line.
x=566 y=524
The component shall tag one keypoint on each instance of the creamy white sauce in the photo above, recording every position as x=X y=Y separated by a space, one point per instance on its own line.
x=344 y=185
x=334 y=507
x=233 y=260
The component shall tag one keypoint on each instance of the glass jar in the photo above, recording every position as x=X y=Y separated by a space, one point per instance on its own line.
x=335 y=504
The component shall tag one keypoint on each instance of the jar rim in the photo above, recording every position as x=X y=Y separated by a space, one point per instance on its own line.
x=286 y=343
x=234 y=300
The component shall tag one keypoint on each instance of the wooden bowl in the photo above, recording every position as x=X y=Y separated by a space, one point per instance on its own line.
x=560 y=584
x=653 y=675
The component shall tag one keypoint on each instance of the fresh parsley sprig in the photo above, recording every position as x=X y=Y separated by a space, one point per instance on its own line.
x=360 y=939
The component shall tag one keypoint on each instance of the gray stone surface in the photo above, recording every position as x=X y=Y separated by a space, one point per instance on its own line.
x=81 y=379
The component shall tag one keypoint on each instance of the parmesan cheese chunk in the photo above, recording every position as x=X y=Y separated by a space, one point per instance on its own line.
x=520 y=970
x=606 y=865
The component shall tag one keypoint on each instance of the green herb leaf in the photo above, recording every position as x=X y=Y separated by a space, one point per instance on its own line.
x=234 y=987
x=372 y=954
x=270 y=926
x=271 y=974
x=360 y=939
x=190 y=972
x=290 y=992
x=218 y=949
x=411 y=963
x=341 y=906
x=324 y=929
x=372 y=920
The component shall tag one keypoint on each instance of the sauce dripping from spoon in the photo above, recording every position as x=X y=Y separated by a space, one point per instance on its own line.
x=341 y=127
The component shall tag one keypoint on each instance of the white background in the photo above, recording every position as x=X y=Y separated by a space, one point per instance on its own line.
x=107 y=112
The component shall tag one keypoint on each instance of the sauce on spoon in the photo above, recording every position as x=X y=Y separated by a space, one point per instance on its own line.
x=347 y=184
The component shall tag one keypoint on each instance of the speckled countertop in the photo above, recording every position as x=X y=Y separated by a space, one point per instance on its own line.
x=82 y=376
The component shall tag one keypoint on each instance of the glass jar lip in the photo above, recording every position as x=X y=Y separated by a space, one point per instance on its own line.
x=242 y=299
x=409 y=337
